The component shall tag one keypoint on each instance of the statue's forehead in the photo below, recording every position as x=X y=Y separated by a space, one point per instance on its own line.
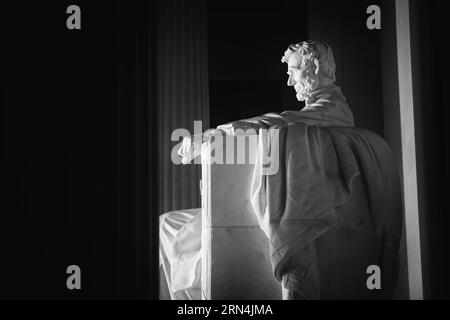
x=295 y=60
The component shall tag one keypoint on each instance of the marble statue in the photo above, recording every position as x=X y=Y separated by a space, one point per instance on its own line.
x=311 y=72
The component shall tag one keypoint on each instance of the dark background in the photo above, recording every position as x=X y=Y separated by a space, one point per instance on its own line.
x=79 y=119
x=430 y=31
x=76 y=127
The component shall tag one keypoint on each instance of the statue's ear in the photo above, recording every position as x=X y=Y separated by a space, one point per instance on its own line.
x=316 y=63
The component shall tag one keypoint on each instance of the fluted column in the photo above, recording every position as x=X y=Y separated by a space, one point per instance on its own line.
x=182 y=89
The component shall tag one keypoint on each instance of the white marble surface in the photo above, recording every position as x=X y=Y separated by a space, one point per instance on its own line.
x=235 y=258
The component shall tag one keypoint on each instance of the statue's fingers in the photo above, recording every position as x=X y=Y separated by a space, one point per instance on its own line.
x=186 y=159
x=186 y=146
x=180 y=151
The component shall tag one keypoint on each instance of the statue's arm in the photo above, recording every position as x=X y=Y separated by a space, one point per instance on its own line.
x=191 y=146
x=264 y=121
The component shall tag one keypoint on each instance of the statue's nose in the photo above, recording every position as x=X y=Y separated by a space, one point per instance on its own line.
x=290 y=82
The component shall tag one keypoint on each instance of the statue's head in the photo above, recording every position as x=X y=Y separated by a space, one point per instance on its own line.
x=310 y=66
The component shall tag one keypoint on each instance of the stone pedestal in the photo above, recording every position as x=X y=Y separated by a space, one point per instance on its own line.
x=235 y=251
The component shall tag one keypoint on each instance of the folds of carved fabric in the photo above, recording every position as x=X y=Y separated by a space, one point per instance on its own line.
x=300 y=279
x=180 y=253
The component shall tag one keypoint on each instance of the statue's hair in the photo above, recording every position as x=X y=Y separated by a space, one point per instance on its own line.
x=310 y=50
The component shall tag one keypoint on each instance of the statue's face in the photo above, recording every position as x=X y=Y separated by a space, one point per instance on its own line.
x=298 y=77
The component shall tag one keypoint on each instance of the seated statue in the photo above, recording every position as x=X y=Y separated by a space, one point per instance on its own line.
x=333 y=209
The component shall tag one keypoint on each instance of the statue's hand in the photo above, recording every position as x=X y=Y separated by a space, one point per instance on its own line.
x=190 y=148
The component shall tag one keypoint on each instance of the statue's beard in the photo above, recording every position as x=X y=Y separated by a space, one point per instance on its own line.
x=303 y=92
x=304 y=88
